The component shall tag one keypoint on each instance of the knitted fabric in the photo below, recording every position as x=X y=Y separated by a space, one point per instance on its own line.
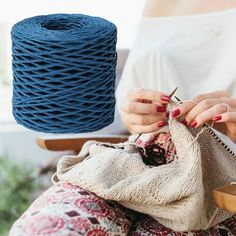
x=177 y=194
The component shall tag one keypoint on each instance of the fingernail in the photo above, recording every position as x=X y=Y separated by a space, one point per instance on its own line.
x=184 y=122
x=216 y=118
x=138 y=141
x=167 y=114
x=165 y=98
x=161 y=109
x=193 y=124
x=175 y=113
x=161 y=124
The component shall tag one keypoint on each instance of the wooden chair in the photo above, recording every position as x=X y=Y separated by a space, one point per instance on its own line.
x=225 y=196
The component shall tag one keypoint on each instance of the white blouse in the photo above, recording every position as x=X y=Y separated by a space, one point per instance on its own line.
x=195 y=53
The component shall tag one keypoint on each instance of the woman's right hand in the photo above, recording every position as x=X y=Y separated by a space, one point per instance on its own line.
x=144 y=110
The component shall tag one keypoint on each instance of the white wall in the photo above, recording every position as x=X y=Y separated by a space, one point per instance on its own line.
x=3 y=52
x=124 y=13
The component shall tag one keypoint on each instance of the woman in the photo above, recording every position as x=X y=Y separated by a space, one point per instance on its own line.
x=185 y=44
x=182 y=44
x=189 y=45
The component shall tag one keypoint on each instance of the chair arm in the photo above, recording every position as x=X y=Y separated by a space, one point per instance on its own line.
x=63 y=143
x=225 y=197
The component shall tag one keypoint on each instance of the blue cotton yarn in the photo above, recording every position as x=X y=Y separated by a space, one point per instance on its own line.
x=64 y=73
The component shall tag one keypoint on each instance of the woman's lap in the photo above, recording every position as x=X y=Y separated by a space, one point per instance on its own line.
x=68 y=210
x=148 y=226
x=65 y=209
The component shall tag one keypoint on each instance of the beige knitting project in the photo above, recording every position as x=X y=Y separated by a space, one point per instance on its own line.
x=178 y=195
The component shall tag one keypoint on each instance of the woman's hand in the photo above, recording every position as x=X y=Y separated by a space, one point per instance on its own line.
x=144 y=110
x=217 y=106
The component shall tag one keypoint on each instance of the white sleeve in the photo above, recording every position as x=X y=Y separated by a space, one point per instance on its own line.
x=129 y=79
x=148 y=66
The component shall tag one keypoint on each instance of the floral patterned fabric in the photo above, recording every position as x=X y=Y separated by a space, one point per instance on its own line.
x=68 y=210
x=65 y=209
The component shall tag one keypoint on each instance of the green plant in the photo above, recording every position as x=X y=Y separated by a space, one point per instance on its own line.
x=17 y=187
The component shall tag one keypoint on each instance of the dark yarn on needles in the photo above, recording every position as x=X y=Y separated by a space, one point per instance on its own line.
x=64 y=69
x=153 y=155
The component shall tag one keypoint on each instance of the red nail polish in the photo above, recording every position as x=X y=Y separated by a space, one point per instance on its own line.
x=138 y=142
x=175 y=113
x=193 y=124
x=161 y=109
x=216 y=118
x=165 y=98
x=161 y=124
x=167 y=114
x=184 y=122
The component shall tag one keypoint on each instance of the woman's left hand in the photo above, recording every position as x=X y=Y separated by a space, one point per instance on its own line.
x=216 y=106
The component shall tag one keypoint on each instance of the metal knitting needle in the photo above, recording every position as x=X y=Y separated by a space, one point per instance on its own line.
x=171 y=95
x=177 y=99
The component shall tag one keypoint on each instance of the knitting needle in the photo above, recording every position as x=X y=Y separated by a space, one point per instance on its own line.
x=177 y=99
x=171 y=95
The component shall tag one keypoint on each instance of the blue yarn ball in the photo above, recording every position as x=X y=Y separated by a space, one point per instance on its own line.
x=64 y=69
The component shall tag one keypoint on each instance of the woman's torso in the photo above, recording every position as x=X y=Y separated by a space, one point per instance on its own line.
x=160 y=8
x=196 y=53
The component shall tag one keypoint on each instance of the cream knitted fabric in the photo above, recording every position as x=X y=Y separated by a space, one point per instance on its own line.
x=178 y=194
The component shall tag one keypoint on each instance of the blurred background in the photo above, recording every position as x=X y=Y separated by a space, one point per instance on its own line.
x=20 y=157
